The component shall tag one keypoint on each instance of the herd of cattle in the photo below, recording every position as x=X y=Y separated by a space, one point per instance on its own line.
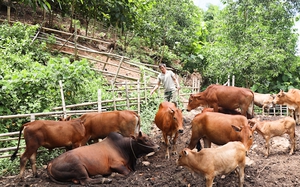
x=227 y=120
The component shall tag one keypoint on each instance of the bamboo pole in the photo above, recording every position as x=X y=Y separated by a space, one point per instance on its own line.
x=139 y=97
x=63 y=99
x=127 y=95
x=99 y=101
x=119 y=67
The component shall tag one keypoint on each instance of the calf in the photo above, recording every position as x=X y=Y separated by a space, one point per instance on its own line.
x=269 y=129
x=115 y=153
x=170 y=121
x=49 y=134
x=220 y=129
x=265 y=101
x=211 y=162
x=99 y=125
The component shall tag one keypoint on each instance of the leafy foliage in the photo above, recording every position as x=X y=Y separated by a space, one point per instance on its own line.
x=30 y=76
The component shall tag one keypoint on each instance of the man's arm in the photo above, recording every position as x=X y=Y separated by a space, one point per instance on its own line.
x=176 y=82
x=155 y=87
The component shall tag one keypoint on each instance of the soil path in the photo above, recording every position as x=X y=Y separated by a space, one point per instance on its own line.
x=279 y=169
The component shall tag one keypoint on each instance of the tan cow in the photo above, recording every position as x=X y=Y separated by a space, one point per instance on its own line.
x=269 y=129
x=220 y=129
x=49 y=134
x=170 y=121
x=99 y=125
x=291 y=99
x=227 y=97
x=265 y=101
x=210 y=162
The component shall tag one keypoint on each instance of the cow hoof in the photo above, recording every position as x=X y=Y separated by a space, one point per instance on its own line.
x=167 y=157
x=174 y=153
x=106 y=181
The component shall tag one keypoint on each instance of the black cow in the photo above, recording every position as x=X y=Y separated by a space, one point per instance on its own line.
x=115 y=153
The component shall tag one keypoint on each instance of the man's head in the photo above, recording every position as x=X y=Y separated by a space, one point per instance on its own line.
x=162 y=67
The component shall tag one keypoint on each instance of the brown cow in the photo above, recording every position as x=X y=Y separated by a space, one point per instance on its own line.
x=115 y=153
x=99 y=125
x=265 y=101
x=224 y=96
x=170 y=121
x=269 y=129
x=211 y=162
x=222 y=110
x=292 y=100
x=220 y=129
x=49 y=134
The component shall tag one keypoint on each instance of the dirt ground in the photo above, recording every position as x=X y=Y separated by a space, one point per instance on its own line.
x=279 y=169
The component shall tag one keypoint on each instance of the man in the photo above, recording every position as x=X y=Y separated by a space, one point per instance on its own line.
x=169 y=81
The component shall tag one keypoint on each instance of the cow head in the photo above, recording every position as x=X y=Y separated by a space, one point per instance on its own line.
x=246 y=134
x=183 y=157
x=195 y=101
x=279 y=98
x=144 y=145
x=177 y=118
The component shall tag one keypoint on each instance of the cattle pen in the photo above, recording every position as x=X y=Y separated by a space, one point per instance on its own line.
x=122 y=100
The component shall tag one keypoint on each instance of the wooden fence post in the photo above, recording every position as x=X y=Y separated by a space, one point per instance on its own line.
x=106 y=59
x=127 y=95
x=32 y=117
x=63 y=99
x=119 y=67
x=139 y=97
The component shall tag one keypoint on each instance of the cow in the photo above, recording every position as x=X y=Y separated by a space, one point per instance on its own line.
x=269 y=129
x=292 y=100
x=49 y=134
x=264 y=101
x=99 y=125
x=220 y=129
x=222 y=110
x=115 y=153
x=224 y=96
x=210 y=162
x=169 y=120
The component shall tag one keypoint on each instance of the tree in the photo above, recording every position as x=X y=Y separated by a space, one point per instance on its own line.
x=257 y=44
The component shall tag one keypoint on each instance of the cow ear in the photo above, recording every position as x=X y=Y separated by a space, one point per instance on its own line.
x=254 y=127
x=171 y=110
x=236 y=128
x=185 y=152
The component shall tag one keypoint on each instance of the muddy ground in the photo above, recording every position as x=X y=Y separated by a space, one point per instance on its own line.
x=279 y=169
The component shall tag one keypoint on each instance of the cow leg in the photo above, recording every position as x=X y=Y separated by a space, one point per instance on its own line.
x=167 y=155
x=198 y=146
x=32 y=161
x=119 y=167
x=241 y=173
x=194 y=141
x=209 y=180
x=207 y=143
x=293 y=143
x=267 y=138
x=95 y=181
x=24 y=158
x=174 y=150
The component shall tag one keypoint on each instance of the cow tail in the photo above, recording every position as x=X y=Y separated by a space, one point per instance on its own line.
x=13 y=156
x=138 y=126
x=251 y=113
